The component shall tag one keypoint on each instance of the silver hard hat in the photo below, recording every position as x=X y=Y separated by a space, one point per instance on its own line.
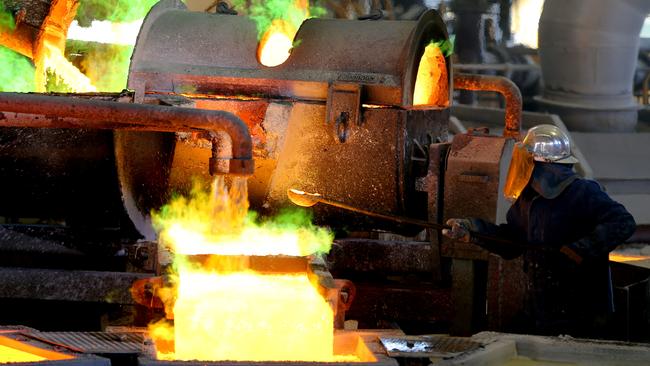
x=549 y=144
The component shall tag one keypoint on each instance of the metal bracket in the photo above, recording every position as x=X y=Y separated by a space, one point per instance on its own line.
x=478 y=131
x=343 y=108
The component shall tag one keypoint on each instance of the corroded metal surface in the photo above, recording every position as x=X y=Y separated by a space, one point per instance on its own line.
x=409 y=303
x=366 y=255
x=85 y=286
x=35 y=11
x=506 y=282
x=373 y=169
x=474 y=178
x=104 y=114
x=476 y=168
x=196 y=59
x=501 y=85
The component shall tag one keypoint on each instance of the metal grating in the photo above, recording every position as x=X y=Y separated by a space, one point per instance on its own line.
x=94 y=342
x=427 y=346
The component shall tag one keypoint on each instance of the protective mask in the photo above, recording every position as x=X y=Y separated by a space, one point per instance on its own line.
x=521 y=168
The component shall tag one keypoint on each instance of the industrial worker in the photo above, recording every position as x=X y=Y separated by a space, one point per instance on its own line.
x=564 y=227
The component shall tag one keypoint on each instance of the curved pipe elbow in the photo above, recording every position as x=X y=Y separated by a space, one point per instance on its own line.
x=503 y=86
x=241 y=161
x=70 y=112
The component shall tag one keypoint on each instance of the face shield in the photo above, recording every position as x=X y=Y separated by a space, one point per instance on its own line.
x=521 y=168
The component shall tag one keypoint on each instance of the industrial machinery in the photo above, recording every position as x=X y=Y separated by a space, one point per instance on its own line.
x=341 y=118
x=363 y=122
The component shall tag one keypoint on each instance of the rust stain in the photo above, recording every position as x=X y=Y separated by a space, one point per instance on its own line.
x=500 y=85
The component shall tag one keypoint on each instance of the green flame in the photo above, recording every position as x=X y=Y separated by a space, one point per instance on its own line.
x=16 y=73
x=217 y=221
x=264 y=12
x=446 y=46
x=107 y=65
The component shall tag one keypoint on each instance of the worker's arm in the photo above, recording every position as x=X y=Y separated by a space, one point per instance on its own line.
x=613 y=224
x=461 y=230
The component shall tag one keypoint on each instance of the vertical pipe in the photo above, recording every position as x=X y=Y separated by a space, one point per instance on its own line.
x=588 y=51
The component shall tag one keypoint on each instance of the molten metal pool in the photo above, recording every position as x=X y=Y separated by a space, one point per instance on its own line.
x=242 y=290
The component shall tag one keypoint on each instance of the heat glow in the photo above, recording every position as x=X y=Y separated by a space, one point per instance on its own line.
x=622 y=258
x=277 y=24
x=224 y=312
x=275 y=46
x=251 y=317
x=103 y=31
x=12 y=351
x=431 y=85
x=52 y=59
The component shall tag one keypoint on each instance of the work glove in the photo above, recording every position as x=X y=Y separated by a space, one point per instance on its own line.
x=459 y=231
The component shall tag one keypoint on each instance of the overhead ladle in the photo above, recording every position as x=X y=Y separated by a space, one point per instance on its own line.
x=306 y=199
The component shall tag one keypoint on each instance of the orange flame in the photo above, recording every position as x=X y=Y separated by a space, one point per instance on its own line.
x=52 y=59
x=431 y=85
x=275 y=47
x=276 y=43
x=247 y=316
x=224 y=312
x=622 y=258
x=12 y=351
x=50 y=46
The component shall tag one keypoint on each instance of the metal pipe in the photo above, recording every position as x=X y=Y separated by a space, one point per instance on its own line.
x=500 y=85
x=588 y=52
x=496 y=67
x=66 y=112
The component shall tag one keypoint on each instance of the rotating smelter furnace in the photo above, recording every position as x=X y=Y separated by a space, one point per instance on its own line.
x=349 y=113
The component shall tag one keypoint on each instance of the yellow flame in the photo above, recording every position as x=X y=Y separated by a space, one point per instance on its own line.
x=104 y=31
x=431 y=85
x=8 y=355
x=622 y=258
x=275 y=47
x=217 y=223
x=51 y=59
x=223 y=312
x=12 y=351
x=251 y=317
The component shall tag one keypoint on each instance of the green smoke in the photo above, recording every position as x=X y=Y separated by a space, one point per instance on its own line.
x=107 y=65
x=217 y=221
x=264 y=12
x=446 y=47
x=16 y=73
x=118 y=11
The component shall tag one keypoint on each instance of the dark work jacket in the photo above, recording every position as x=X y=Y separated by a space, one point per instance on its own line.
x=556 y=209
